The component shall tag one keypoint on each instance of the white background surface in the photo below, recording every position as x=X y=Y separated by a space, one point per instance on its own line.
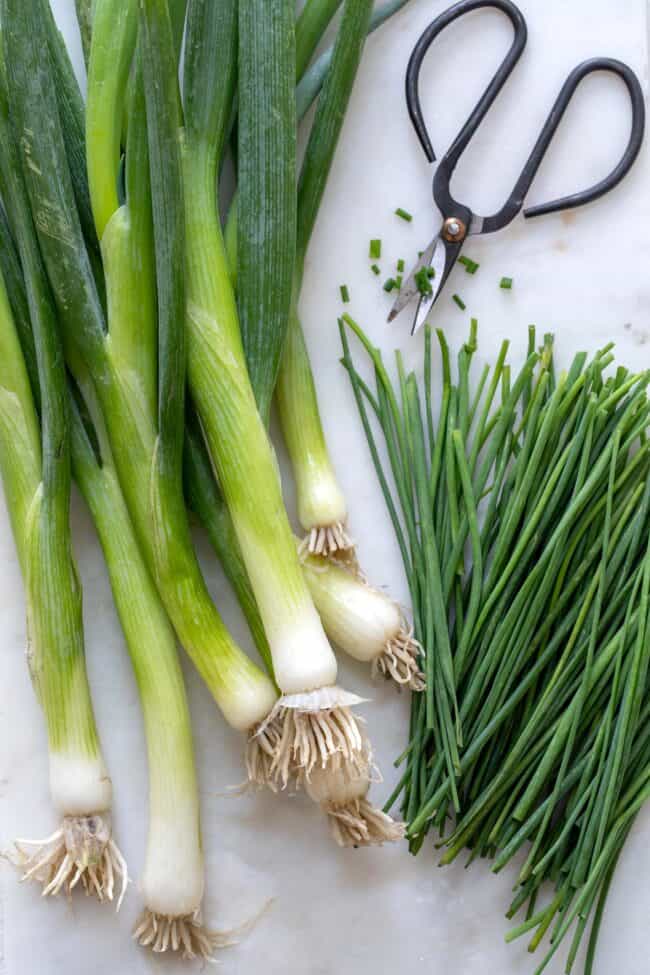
x=584 y=276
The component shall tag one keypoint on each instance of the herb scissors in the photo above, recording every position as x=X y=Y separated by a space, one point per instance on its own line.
x=427 y=278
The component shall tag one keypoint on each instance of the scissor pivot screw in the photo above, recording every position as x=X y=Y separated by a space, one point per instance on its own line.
x=453 y=229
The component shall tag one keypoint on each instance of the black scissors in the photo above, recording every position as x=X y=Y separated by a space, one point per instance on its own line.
x=427 y=278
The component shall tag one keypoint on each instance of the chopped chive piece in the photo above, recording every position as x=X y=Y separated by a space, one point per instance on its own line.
x=400 y=266
x=398 y=281
x=375 y=269
x=470 y=266
x=345 y=294
x=375 y=249
x=505 y=283
x=404 y=214
x=431 y=272
x=390 y=284
x=420 y=253
x=459 y=301
x=423 y=281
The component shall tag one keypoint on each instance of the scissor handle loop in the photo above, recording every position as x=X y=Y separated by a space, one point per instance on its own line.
x=487 y=98
x=626 y=161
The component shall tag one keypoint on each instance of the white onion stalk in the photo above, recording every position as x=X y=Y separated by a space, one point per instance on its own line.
x=303 y=662
x=322 y=510
x=173 y=878
x=364 y=622
x=36 y=481
x=341 y=789
x=312 y=720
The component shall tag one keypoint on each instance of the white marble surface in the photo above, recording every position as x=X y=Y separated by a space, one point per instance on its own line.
x=586 y=277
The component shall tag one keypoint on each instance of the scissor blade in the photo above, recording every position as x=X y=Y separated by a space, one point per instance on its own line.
x=445 y=256
x=438 y=263
x=409 y=289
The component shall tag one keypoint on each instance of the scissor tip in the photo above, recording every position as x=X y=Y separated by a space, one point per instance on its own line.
x=392 y=315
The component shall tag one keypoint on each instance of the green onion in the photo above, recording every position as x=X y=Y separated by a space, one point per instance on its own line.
x=400 y=266
x=84 y=9
x=312 y=80
x=266 y=183
x=403 y=214
x=364 y=622
x=316 y=14
x=398 y=281
x=375 y=249
x=390 y=284
x=303 y=661
x=321 y=506
x=505 y=283
x=172 y=882
x=310 y=27
x=375 y=269
x=459 y=301
x=71 y=108
x=345 y=294
x=173 y=875
x=36 y=473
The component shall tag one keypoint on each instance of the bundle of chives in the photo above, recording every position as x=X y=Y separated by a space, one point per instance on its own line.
x=128 y=363
x=36 y=473
x=545 y=627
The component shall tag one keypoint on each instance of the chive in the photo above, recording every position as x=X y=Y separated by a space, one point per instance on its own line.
x=459 y=301
x=375 y=249
x=400 y=266
x=505 y=284
x=403 y=214
x=390 y=284
x=470 y=266
x=423 y=282
x=398 y=281
x=345 y=294
x=375 y=269
x=431 y=272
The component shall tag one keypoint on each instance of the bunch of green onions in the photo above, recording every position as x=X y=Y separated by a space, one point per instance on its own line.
x=523 y=516
x=173 y=878
x=122 y=259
